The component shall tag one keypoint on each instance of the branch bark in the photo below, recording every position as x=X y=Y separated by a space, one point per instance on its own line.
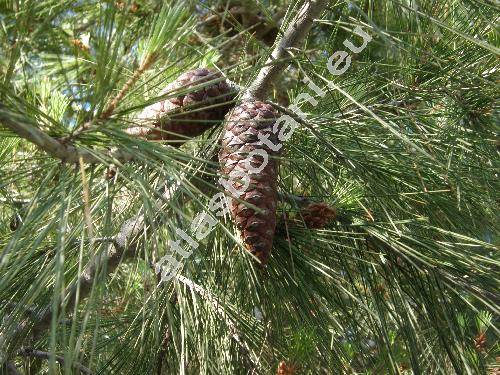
x=148 y=61
x=11 y=339
x=11 y=369
x=293 y=36
x=52 y=146
x=124 y=245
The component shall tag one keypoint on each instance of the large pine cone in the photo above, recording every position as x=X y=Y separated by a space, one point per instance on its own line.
x=243 y=125
x=191 y=112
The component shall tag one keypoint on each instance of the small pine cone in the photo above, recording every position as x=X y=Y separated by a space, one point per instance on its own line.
x=190 y=112
x=495 y=370
x=243 y=125
x=285 y=369
x=110 y=172
x=480 y=342
x=403 y=367
x=318 y=215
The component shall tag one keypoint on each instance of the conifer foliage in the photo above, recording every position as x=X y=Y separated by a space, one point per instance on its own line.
x=365 y=244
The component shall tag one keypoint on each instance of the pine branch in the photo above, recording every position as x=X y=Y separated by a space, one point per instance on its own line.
x=11 y=369
x=122 y=246
x=293 y=36
x=296 y=199
x=14 y=201
x=28 y=352
x=148 y=61
x=52 y=146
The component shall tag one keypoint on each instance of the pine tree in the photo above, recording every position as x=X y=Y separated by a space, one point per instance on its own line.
x=384 y=256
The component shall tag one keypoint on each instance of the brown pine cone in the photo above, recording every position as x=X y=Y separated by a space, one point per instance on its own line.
x=318 y=215
x=286 y=369
x=480 y=341
x=190 y=112
x=243 y=125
